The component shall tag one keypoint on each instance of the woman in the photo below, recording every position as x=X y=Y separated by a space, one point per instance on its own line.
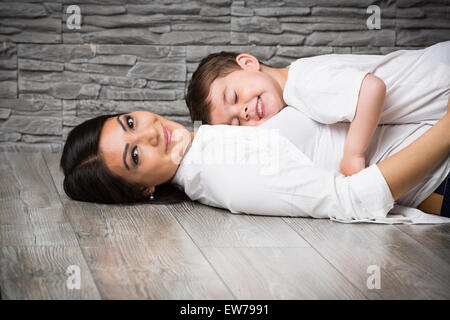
x=140 y=156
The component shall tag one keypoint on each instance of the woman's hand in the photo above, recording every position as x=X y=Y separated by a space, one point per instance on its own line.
x=352 y=163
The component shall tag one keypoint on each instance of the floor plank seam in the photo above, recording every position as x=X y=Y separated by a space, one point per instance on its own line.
x=203 y=255
x=72 y=228
x=331 y=264
x=423 y=245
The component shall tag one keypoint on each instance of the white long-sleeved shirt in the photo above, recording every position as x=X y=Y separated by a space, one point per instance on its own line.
x=254 y=170
x=324 y=145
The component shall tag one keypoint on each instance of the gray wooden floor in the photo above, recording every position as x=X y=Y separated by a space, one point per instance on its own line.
x=190 y=251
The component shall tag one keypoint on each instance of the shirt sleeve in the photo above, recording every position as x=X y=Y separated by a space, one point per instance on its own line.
x=326 y=88
x=291 y=185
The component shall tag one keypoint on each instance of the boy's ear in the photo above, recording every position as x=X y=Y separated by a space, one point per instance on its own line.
x=247 y=61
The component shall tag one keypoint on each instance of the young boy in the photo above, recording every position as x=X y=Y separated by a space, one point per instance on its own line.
x=406 y=86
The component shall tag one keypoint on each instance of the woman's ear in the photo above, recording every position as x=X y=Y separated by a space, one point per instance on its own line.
x=247 y=61
x=147 y=191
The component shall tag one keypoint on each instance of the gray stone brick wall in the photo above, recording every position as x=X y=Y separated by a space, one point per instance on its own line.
x=139 y=54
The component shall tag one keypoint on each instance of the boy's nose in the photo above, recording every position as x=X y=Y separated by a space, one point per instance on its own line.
x=245 y=113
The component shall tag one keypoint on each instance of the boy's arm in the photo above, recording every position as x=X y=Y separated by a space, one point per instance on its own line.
x=368 y=112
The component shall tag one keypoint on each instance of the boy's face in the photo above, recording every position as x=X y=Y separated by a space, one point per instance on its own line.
x=245 y=97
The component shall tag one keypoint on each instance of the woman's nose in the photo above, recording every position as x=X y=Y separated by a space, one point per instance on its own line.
x=149 y=135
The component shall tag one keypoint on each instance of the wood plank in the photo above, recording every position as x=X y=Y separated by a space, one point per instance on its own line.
x=140 y=251
x=30 y=210
x=15 y=225
x=408 y=270
x=141 y=242
x=52 y=160
x=29 y=174
x=35 y=234
x=39 y=272
x=214 y=227
x=146 y=248
x=435 y=237
x=279 y=273
x=148 y=270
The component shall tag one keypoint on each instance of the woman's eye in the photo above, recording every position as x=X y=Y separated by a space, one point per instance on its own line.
x=130 y=122
x=135 y=155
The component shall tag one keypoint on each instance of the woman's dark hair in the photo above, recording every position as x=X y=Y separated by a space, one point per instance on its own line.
x=86 y=177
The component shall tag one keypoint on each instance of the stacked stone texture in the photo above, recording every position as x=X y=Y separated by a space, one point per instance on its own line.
x=139 y=54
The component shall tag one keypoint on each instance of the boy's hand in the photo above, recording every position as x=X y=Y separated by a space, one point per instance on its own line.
x=352 y=163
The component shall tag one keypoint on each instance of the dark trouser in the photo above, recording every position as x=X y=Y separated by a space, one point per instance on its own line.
x=444 y=190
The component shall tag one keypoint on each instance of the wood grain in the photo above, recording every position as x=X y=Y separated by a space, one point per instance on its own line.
x=213 y=227
x=408 y=269
x=435 y=237
x=37 y=242
x=39 y=272
x=280 y=273
x=31 y=213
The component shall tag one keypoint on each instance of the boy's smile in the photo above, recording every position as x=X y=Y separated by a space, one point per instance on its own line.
x=260 y=108
x=245 y=97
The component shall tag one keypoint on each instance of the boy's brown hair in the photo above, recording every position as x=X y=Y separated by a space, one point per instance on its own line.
x=213 y=66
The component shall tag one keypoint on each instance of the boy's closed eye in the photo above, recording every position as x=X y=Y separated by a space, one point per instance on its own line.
x=235 y=121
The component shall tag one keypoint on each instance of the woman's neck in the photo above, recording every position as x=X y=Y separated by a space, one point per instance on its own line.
x=184 y=150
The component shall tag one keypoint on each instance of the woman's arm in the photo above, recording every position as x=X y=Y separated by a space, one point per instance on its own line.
x=266 y=174
x=297 y=187
x=406 y=168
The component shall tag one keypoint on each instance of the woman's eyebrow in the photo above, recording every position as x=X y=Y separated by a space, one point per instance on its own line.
x=126 y=146
x=121 y=124
x=125 y=156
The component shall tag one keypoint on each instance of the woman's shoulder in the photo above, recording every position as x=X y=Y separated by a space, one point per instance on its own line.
x=225 y=146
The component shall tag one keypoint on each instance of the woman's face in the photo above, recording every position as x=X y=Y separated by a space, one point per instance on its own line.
x=142 y=147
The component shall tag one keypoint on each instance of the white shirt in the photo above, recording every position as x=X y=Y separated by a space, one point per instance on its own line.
x=326 y=87
x=254 y=170
x=324 y=145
